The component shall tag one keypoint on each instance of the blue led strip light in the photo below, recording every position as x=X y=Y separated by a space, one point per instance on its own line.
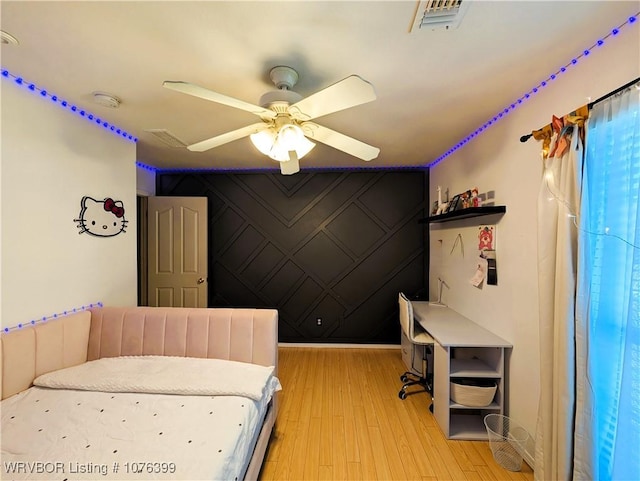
x=33 y=322
x=147 y=167
x=271 y=170
x=70 y=107
x=585 y=53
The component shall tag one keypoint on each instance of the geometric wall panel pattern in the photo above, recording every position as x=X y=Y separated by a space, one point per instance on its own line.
x=335 y=246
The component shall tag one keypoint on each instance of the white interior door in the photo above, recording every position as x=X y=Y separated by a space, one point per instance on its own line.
x=177 y=251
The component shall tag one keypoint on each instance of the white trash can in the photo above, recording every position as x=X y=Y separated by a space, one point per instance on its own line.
x=507 y=441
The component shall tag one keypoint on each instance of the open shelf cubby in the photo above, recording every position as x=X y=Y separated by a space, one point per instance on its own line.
x=468 y=426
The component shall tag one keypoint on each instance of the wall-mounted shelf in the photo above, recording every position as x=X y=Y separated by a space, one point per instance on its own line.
x=464 y=214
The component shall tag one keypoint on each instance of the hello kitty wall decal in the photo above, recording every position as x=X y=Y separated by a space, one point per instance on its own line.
x=101 y=218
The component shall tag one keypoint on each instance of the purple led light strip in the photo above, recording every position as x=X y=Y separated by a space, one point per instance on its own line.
x=66 y=105
x=33 y=322
x=585 y=53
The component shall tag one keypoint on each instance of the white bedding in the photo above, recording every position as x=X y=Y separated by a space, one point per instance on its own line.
x=78 y=434
x=163 y=375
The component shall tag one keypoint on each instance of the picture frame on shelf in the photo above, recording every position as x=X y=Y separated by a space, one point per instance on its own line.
x=453 y=205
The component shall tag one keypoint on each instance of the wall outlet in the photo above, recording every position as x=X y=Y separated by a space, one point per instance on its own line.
x=319 y=321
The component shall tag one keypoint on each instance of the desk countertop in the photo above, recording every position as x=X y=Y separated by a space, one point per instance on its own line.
x=450 y=328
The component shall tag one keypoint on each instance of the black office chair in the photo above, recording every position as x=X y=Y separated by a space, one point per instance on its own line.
x=418 y=337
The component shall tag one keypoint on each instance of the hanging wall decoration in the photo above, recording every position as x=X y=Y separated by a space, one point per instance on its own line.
x=487 y=248
x=101 y=218
x=486 y=238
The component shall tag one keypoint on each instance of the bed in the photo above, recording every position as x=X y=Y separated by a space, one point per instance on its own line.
x=140 y=393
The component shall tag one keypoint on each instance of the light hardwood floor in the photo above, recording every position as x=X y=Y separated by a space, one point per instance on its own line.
x=340 y=418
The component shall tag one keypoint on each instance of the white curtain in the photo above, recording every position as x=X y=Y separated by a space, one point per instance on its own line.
x=558 y=206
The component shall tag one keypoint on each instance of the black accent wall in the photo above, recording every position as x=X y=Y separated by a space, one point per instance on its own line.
x=338 y=246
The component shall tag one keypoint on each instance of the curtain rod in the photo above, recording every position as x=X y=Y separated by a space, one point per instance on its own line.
x=590 y=105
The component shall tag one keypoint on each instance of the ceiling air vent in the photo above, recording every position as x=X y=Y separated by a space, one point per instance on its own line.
x=439 y=14
x=167 y=137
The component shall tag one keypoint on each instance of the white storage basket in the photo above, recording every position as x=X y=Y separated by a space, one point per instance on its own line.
x=473 y=393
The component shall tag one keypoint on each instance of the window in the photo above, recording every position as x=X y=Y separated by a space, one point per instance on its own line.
x=609 y=282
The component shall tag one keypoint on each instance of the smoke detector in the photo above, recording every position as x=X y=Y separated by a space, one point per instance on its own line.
x=106 y=100
x=439 y=14
x=8 y=39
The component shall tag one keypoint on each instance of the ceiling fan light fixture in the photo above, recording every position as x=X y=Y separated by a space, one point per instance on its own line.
x=263 y=140
x=289 y=137
x=285 y=118
x=277 y=145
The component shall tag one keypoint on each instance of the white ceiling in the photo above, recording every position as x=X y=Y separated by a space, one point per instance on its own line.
x=433 y=87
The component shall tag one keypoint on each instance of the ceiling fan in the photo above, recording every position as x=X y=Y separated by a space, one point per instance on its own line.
x=285 y=129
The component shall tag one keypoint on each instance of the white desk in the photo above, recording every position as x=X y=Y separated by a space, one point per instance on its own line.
x=462 y=349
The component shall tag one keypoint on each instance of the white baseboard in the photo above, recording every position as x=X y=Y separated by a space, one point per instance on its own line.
x=338 y=345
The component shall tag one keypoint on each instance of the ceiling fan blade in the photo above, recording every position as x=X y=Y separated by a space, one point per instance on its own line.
x=342 y=95
x=340 y=141
x=291 y=166
x=197 y=91
x=226 y=138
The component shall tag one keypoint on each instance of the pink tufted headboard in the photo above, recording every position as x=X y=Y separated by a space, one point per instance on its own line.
x=34 y=350
x=247 y=335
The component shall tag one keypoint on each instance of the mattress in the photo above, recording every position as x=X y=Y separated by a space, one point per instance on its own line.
x=130 y=418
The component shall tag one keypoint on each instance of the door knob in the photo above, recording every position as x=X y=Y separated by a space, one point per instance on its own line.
x=200 y=281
